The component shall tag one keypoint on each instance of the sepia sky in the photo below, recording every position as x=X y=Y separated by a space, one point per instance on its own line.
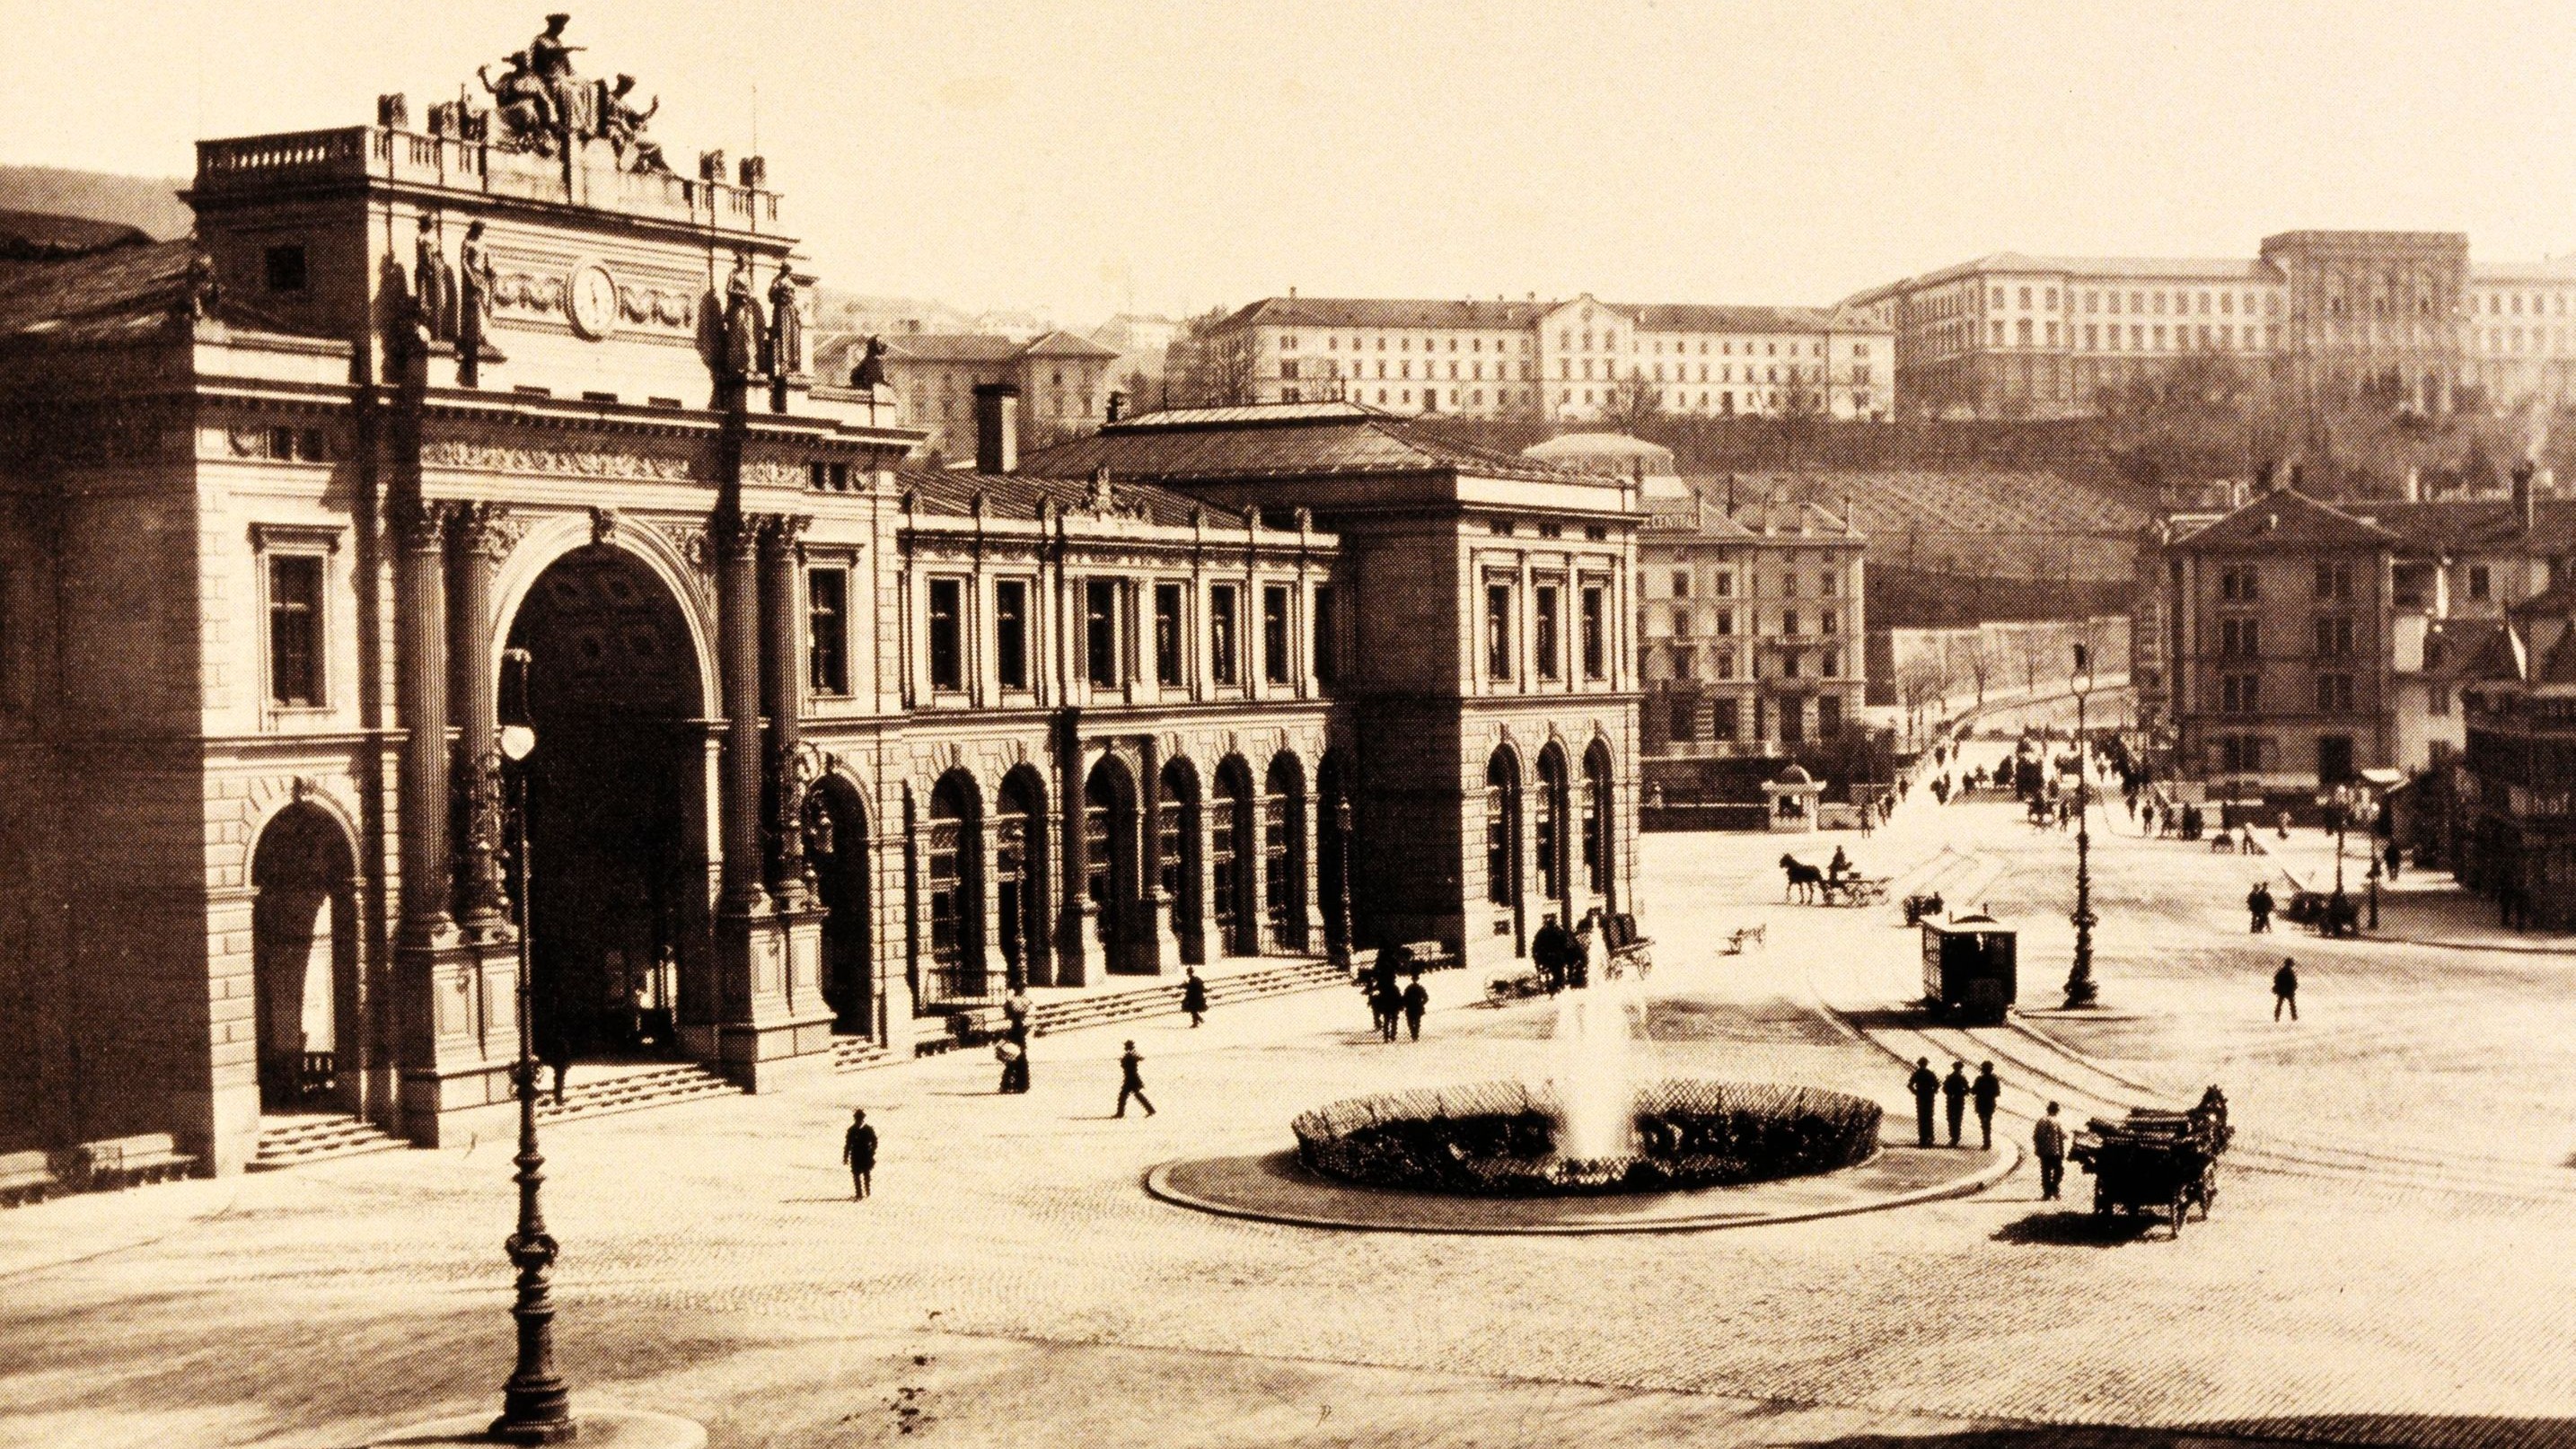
x=1084 y=158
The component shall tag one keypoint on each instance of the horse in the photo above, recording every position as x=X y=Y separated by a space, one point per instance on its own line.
x=1802 y=877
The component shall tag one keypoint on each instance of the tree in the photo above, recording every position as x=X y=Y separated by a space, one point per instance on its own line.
x=1634 y=403
x=1211 y=364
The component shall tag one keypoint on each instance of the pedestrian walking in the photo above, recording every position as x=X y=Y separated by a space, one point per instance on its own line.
x=2258 y=904
x=1013 y=1057
x=2147 y=819
x=1131 y=1082
x=1389 y=1008
x=1416 y=1002
x=1954 y=1098
x=2048 y=1144
x=1986 y=1091
x=555 y=1050
x=1194 y=997
x=1547 y=953
x=2285 y=825
x=859 y=1150
x=1015 y=1015
x=2285 y=989
x=2392 y=860
x=1926 y=1088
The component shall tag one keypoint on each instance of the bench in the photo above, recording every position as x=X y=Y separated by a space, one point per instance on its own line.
x=26 y=1177
x=125 y=1161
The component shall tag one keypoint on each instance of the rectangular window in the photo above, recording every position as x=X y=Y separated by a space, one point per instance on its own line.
x=1684 y=723
x=1011 y=633
x=2334 y=580
x=947 y=651
x=1681 y=583
x=1789 y=622
x=1275 y=659
x=1167 y=634
x=1221 y=622
x=284 y=269
x=1829 y=716
x=2334 y=694
x=827 y=630
x=1100 y=630
x=1498 y=631
x=2480 y=584
x=2334 y=636
x=1726 y=720
x=1327 y=645
x=1544 y=623
x=295 y=630
x=1596 y=653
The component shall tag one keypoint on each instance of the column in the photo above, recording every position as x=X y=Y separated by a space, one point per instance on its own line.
x=783 y=696
x=420 y=641
x=1073 y=857
x=477 y=546
x=1150 y=934
x=736 y=539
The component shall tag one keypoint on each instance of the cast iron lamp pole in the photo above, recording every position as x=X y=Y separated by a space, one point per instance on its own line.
x=536 y=1405
x=2080 y=990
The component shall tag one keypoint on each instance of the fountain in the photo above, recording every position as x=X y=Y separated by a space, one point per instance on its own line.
x=1591 y=1128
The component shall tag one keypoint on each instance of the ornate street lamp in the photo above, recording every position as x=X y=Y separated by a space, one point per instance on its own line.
x=536 y=1405
x=2080 y=990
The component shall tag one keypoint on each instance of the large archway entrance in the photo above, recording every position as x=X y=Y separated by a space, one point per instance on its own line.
x=1333 y=852
x=1176 y=847
x=1283 y=852
x=1111 y=862
x=1234 y=843
x=1020 y=878
x=618 y=920
x=304 y=954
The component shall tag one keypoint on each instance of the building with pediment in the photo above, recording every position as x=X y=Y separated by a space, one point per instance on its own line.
x=827 y=750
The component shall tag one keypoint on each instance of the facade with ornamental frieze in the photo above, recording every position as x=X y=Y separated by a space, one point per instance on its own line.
x=828 y=748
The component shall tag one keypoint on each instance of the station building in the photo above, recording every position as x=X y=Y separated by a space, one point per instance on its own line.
x=825 y=748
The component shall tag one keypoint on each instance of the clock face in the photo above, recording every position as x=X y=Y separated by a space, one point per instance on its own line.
x=590 y=299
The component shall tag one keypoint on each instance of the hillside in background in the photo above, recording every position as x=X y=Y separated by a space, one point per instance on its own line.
x=136 y=201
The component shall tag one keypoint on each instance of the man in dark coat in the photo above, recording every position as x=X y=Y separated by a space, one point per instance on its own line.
x=1131 y=1082
x=1547 y=953
x=1416 y=1001
x=859 y=1150
x=2258 y=904
x=2048 y=1142
x=1194 y=997
x=1954 y=1098
x=2285 y=989
x=1986 y=1091
x=1925 y=1088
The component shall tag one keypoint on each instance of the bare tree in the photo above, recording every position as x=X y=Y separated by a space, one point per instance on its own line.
x=1634 y=403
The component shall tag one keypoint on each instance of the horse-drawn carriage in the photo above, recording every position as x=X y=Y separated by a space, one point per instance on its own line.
x=1830 y=887
x=2161 y=1164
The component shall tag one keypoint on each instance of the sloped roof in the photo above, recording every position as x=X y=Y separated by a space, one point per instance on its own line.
x=1602 y=452
x=1697 y=317
x=40 y=234
x=103 y=296
x=1065 y=344
x=952 y=347
x=1288 y=440
x=945 y=492
x=2469 y=525
x=2287 y=518
x=2140 y=269
x=1889 y=504
x=1386 y=312
x=2500 y=657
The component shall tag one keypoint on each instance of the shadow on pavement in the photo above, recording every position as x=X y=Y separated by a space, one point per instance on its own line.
x=2409 y=1431
x=2076 y=1229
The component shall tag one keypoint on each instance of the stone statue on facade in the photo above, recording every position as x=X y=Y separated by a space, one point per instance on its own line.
x=550 y=58
x=742 y=324
x=624 y=127
x=870 y=373
x=198 y=291
x=529 y=120
x=474 y=310
x=433 y=285
x=786 y=350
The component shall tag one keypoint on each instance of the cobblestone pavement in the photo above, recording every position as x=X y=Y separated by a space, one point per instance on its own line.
x=2391 y=1259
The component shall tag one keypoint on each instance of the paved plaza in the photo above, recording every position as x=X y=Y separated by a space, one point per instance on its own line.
x=2392 y=1259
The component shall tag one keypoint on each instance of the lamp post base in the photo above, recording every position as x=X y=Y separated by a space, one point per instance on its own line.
x=600 y=1429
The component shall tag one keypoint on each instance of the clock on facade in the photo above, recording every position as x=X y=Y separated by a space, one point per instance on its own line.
x=590 y=300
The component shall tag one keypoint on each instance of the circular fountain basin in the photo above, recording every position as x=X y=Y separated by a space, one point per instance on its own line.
x=1502 y=1139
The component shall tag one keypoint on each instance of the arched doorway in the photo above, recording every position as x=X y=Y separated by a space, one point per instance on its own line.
x=304 y=953
x=1600 y=826
x=1020 y=876
x=618 y=920
x=1283 y=851
x=1232 y=843
x=1333 y=852
x=953 y=867
x=1503 y=889
x=1110 y=864
x=1555 y=882
x=1177 y=857
x=836 y=836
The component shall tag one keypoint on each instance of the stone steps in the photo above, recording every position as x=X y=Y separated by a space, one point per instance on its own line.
x=633 y=1091
x=295 y=1141
x=858 y=1053
x=1163 y=996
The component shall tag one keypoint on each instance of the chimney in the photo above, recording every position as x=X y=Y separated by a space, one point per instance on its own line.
x=1292 y=294
x=1117 y=404
x=2263 y=476
x=997 y=427
x=2298 y=476
x=2414 y=485
x=2522 y=497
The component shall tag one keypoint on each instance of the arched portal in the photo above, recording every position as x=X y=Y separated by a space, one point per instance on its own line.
x=1555 y=882
x=1600 y=826
x=836 y=836
x=1503 y=887
x=1110 y=863
x=1177 y=856
x=304 y=953
x=1333 y=852
x=1233 y=842
x=1283 y=851
x=953 y=864
x=1020 y=876
x=616 y=789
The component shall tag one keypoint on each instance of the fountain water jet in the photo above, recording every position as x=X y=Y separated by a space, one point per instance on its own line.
x=1596 y=1095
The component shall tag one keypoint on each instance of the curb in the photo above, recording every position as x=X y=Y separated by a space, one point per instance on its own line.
x=1157 y=1185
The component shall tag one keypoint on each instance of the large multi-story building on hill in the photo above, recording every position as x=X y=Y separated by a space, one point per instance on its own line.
x=2404 y=314
x=823 y=747
x=1571 y=361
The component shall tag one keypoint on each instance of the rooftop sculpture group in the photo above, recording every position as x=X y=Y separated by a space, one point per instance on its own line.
x=545 y=107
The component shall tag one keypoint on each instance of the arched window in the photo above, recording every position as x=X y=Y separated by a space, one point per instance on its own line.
x=1020 y=876
x=953 y=869
x=1503 y=844
x=1600 y=821
x=1234 y=853
x=1177 y=856
x=1283 y=851
x=1109 y=861
x=1553 y=881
